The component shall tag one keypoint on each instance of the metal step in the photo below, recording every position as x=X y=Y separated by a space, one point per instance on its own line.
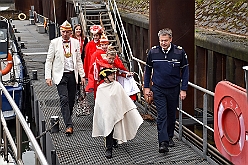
x=88 y=15
x=105 y=25
x=97 y=20
x=95 y=11
x=112 y=41
x=93 y=6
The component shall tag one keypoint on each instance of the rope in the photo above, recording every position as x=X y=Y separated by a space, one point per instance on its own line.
x=43 y=133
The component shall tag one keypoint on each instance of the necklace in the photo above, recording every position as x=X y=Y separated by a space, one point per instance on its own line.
x=67 y=50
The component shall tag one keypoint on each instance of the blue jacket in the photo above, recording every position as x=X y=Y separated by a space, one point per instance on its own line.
x=169 y=69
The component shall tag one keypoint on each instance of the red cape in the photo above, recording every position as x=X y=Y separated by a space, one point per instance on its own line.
x=89 y=50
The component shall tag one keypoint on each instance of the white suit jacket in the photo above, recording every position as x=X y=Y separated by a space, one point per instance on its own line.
x=54 y=66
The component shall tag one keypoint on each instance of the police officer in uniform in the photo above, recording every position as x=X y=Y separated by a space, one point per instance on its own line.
x=167 y=64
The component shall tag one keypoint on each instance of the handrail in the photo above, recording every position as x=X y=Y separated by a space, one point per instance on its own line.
x=25 y=126
x=124 y=40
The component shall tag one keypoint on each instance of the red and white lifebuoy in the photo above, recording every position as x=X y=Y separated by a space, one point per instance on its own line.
x=231 y=122
x=9 y=65
x=231 y=126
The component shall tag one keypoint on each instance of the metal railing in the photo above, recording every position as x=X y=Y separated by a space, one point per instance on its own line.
x=125 y=46
x=20 y=123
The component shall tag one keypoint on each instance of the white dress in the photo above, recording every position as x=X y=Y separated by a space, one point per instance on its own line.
x=114 y=109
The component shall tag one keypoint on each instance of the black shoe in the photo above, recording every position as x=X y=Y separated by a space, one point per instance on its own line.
x=163 y=147
x=108 y=153
x=171 y=142
x=115 y=143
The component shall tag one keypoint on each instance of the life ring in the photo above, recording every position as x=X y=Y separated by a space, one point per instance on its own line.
x=230 y=122
x=9 y=65
x=20 y=16
x=230 y=114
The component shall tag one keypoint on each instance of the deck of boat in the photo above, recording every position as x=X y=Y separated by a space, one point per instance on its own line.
x=81 y=147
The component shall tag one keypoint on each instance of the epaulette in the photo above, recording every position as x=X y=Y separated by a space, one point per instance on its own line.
x=154 y=47
x=179 y=47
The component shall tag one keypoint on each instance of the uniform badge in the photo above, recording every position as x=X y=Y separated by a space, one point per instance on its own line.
x=154 y=47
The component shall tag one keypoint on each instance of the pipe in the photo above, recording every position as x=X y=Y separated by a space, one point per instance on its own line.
x=246 y=79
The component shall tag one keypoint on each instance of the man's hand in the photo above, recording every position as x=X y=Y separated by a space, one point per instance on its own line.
x=182 y=95
x=49 y=82
x=129 y=74
x=83 y=81
x=147 y=92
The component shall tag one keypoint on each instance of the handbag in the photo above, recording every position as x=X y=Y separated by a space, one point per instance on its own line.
x=81 y=101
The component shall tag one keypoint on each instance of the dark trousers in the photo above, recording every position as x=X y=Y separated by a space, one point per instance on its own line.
x=110 y=140
x=67 y=90
x=166 y=101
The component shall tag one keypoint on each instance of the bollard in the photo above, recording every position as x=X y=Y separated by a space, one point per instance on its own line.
x=22 y=45
x=53 y=157
x=19 y=38
x=43 y=126
x=246 y=79
x=13 y=26
x=15 y=30
x=34 y=74
x=55 y=128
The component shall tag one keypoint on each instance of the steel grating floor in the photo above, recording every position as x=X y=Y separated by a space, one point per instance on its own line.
x=81 y=148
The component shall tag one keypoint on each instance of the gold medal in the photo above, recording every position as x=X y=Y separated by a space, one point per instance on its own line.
x=67 y=50
x=67 y=55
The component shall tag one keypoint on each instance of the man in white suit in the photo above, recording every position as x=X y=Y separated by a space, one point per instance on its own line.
x=63 y=64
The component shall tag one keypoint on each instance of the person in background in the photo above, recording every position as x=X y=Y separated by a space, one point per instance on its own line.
x=100 y=51
x=81 y=103
x=108 y=60
x=63 y=64
x=115 y=115
x=96 y=31
x=79 y=35
x=170 y=68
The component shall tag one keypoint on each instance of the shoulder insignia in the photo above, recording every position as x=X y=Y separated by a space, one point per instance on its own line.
x=179 y=47
x=154 y=47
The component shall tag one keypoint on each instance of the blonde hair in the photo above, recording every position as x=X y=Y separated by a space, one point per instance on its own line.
x=111 y=51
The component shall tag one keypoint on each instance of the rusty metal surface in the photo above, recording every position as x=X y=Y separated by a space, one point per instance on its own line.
x=179 y=16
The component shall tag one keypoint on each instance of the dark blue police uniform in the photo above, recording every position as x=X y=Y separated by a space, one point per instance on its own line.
x=169 y=70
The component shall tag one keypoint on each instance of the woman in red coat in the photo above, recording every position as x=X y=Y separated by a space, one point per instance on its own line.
x=109 y=60
x=91 y=46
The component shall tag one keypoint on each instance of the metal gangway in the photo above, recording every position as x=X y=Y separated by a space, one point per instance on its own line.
x=142 y=149
x=106 y=14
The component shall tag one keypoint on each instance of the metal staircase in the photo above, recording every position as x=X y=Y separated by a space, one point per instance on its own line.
x=106 y=14
x=98 y=14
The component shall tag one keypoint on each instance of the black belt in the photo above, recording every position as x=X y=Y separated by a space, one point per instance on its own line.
x=70 y=72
